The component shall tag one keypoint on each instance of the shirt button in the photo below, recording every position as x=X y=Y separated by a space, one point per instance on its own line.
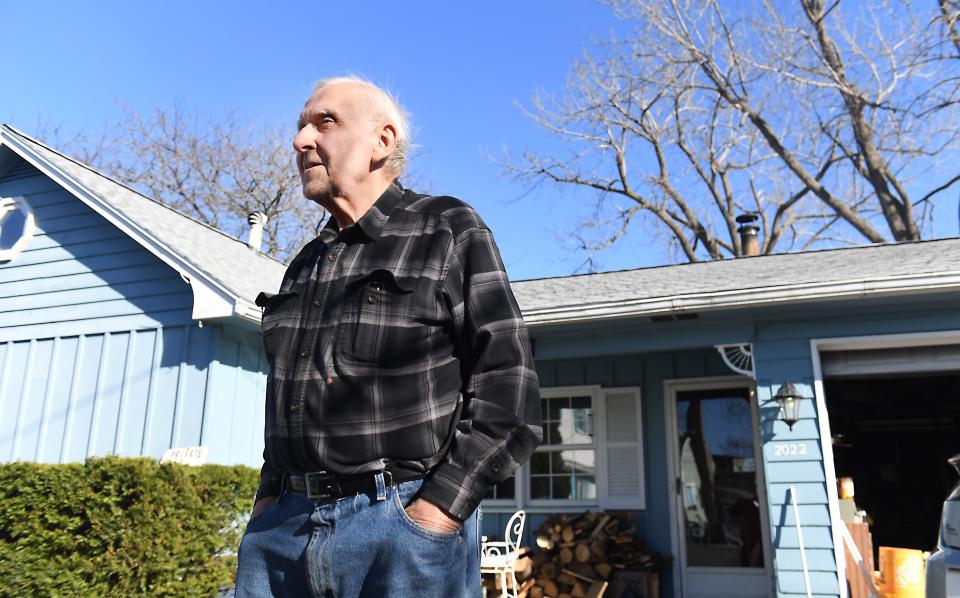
x=304 y=354
x=316 y=302
x=332 y=257
x=329 y=380
x=295 y=407
x=371 y=299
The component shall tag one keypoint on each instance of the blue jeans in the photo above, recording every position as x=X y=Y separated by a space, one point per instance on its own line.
x=355 y=547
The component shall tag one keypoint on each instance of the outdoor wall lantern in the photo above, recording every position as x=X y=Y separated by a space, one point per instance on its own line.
x=789 y=400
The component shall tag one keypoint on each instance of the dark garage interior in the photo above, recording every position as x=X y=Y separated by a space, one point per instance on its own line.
x=893 y=436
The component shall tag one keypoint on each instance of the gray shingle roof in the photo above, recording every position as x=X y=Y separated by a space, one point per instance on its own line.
x=221 y=258
x=903 y=267
x=893 y=268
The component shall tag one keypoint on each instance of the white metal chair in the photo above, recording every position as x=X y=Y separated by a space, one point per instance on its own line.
x=498 y=557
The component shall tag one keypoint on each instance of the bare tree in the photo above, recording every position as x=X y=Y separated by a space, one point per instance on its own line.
x=215 y=171
x=950 y=13
x=831 y=124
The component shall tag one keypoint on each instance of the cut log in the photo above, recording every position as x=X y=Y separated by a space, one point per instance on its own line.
x=567 y=534
x=582 y=552
x=579 y=576
x=566 y=555
x=600 y=526
x=603 y=569
x=583 y=570
x=545 y=542
x=597 y=590
x=523 y=567
x=598 y=548
x=549 y=587
x=577 y=590
x=535 y=592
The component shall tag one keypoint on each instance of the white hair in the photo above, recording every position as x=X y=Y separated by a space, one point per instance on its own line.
x=399 y=159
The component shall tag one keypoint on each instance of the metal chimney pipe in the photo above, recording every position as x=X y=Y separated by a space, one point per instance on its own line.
x=257 y=221
x=749 y=231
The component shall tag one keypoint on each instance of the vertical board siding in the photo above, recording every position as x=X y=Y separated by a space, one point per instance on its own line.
x=63 y=399
x=63 y=375
x=235 y=408
x=81 y=274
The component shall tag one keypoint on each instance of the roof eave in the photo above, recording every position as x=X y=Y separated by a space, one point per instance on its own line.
x=727 y=300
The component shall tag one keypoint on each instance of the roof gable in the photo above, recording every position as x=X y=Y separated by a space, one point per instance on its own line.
x=224 y=274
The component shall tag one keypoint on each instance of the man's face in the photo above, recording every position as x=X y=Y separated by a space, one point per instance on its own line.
x=335 y=141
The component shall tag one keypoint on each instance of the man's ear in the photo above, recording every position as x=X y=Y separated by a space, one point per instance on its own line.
x=386 y=142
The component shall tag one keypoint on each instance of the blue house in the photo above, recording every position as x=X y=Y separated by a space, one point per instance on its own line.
x=125 y=326
x=129 y=328
x=659 y=387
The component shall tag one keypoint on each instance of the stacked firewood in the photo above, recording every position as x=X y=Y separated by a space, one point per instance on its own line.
x=578 y=555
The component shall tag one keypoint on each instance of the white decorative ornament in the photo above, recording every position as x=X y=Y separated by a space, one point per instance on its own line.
x=17 y=226
x=738 y=358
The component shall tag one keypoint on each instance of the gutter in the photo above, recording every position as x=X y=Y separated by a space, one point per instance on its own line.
x=720 y=300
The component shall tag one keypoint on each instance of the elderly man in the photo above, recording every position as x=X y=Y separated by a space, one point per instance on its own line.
x=401 y=384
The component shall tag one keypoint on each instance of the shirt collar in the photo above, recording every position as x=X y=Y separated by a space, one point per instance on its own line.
x=372 y=222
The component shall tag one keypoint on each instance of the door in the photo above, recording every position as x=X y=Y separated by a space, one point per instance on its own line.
x=721 y=513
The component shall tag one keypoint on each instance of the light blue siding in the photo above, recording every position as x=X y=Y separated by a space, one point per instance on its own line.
x=818 y=559
x=233 y=422
x=67 y=398
x=98 y=351
x=822 y=583
x=81 y=275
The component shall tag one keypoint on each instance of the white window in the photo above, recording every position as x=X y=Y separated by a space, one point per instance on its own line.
x=591 y=454
x=16 y=227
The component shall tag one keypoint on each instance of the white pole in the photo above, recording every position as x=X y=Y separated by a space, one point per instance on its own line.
x=803 y=551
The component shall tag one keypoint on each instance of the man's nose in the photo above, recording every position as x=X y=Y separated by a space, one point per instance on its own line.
x=303 y=140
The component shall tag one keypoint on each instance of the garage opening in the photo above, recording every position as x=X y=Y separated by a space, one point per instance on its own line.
x=895 y=420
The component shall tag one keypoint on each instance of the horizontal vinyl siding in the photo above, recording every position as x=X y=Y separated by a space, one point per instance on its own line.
x=136 y=392
x=804 y=473
x=80 y=274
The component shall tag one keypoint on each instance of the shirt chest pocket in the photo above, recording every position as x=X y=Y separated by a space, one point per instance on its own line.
x=278 y=324
x=387 y=321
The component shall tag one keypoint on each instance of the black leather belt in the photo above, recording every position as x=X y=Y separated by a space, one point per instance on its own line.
x=323 y=484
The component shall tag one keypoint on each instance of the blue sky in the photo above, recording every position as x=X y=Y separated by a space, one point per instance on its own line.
x=459 y=68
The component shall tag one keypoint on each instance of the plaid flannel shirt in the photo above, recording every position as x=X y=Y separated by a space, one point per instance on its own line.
x=397 y=342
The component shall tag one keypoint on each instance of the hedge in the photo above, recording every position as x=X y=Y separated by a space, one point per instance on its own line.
x=121 y=527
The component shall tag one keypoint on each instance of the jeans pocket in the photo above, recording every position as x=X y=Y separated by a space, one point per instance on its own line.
x=409 y=523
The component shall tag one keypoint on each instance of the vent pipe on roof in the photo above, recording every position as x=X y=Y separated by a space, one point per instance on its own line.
x=749 y=231
x=257 y=221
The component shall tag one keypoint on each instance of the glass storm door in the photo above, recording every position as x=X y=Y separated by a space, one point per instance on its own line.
x=721 y=509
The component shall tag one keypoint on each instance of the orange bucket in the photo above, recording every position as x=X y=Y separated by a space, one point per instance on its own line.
x=903 y=571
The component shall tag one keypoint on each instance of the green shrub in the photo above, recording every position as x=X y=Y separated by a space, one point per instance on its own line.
x=120 y=527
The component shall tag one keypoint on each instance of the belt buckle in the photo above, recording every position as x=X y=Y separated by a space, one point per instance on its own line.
x=321 y=484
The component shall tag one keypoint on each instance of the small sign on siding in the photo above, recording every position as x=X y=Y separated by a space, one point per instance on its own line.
x=188 y=455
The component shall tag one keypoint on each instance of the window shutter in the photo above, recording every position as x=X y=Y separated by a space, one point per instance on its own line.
x=622 y=447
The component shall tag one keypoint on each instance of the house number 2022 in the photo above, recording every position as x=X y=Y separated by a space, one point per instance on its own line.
x=789 y=449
